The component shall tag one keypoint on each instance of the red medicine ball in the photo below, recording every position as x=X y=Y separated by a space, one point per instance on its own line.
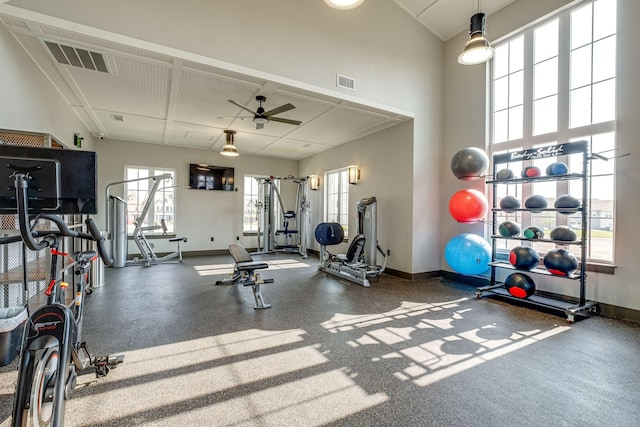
x=531 y=172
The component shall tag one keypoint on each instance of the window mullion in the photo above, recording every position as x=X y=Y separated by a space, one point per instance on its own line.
x=564 y=63
x=527 y=108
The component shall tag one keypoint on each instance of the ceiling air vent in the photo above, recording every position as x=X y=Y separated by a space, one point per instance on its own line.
x=77 y=57
x=345 y=82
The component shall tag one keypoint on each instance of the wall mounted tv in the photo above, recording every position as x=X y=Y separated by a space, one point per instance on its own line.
x=62 y=181
x=207 y=177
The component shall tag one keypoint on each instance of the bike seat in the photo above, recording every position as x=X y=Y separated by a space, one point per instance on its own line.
x=84 y=256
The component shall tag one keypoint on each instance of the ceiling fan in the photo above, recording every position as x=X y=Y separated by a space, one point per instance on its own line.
x=261 y=117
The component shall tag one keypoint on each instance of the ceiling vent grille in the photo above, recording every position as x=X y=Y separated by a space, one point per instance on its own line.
x=345 y=82
x=77 y=57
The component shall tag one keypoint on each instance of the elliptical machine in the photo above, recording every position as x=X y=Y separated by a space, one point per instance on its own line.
x=359 y=264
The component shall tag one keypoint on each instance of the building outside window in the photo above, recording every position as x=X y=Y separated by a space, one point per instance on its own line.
x=336 y=195
x=552 y=83
x=162 y=205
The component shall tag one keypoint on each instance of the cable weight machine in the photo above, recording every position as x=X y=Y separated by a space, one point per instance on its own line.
x=116 y=226
x=281 y=230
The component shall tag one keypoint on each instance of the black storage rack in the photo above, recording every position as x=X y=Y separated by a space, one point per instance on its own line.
x=539 y=300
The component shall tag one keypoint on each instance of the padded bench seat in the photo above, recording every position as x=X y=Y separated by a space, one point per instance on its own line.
x=244 y=273
x=251 y=265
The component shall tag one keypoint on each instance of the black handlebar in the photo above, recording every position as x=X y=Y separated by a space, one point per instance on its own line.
x=29 y=236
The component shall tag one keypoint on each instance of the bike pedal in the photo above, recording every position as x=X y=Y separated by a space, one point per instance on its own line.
x=104 y=364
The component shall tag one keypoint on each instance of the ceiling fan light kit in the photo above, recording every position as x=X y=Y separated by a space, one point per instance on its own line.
x=261 y=117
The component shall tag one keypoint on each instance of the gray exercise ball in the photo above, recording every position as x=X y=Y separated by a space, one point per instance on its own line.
x=469 y=164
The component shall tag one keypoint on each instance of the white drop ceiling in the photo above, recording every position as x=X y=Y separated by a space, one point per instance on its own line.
x=153 y=97
x=447 y=18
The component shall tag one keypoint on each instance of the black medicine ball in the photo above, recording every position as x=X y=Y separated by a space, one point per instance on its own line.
x=535 y=202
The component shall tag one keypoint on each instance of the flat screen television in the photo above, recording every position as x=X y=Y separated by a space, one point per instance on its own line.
x=62 y=181
x=207 y=177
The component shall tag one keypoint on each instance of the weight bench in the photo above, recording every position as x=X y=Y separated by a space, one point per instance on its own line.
x=244 y=273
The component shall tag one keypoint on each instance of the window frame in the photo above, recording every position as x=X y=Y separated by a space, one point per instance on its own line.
x=564 y=132
x=341 y=215
x=250 y=210
x=163 y=190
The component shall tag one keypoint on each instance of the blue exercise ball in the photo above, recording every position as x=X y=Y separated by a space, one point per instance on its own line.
x=468 y=254
x=469 y=164
x=557 y=168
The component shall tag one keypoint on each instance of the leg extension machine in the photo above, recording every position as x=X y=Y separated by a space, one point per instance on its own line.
x=350 y=266
x=244 y=273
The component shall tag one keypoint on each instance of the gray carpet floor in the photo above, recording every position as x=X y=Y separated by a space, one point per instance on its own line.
x=332 y=353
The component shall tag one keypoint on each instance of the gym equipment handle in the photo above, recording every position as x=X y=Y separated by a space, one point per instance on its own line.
x=49 y=237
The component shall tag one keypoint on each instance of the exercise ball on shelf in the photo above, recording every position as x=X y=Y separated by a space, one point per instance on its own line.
x=566 y=201
x=560 y=262
x=468 y=254
x=530 y=172
x=469 y=164
x=468 y=206
x=533 y=232
x=524 y=257
x=557 y=168
x=563 y=233
x=504 y=174
x=520 y=285
x=535 y=203
x=509 y=229
x=509 y=203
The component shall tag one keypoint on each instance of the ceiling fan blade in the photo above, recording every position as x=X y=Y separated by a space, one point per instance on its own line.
x=287 y=121
x=241 y=106
x=278 y=110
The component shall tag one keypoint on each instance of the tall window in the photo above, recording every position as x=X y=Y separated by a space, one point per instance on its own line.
x=252 y=204
x=161 y=208
x=336 y=193
x=552 y=83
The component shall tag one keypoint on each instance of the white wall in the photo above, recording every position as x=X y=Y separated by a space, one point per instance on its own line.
x=395 y=61
x=200 y=215
x=385 y=161
x=464 y=126
x=28 y=101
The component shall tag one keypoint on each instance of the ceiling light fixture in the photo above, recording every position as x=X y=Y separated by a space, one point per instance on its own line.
x=229 y=149
x=344 y=4
x=260 y=120
x=478 y=49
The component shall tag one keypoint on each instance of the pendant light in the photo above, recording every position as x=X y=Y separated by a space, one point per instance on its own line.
x=229 y=149
x=344 y=4
x=478 y=49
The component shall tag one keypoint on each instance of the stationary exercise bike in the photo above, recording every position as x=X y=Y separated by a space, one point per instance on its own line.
x=52 y=351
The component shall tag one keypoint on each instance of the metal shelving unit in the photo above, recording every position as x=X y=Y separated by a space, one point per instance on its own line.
x=561 y=305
